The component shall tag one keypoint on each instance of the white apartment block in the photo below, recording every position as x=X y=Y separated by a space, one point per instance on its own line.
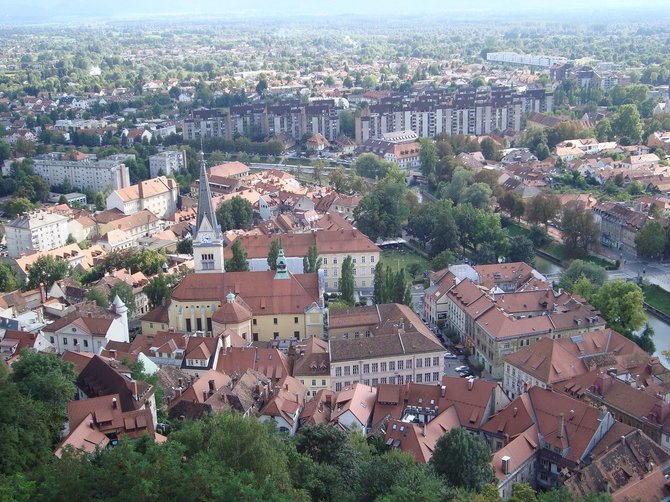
x=84 y=171
x=525 y=59
x=35 y=231
x=167 y=163
x=158 y=195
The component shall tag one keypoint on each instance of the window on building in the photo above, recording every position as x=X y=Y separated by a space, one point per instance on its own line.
x=275 y=335
x=419 y=378
x=254 y=337
x=338 y=387
x=188 y=325
x=338 y=371
x=382 y=380
x=366 y=368
x=334 y=260
x=391 y=365
x=436 y=375
x=426 y=377
x=426 y=362
x=313 y=382
x=383 y=367
x=436 y=361
x=295 y=320
x=325 y=261
x=296 y=335
x=323 y=383
x=51 y=339
x=274 y=320
x=419 y=363
x=346 y=371
x=372 y=259
x=375 y=382
x=253 y=321
x=375 y=367
x=354 y=369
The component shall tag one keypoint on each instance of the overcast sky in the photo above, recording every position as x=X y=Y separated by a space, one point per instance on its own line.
x=95 y=9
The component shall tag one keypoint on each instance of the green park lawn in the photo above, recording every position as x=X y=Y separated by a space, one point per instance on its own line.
x=403 y=259
x=657 y=297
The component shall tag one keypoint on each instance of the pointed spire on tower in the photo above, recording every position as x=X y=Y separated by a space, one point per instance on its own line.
x=205 y=207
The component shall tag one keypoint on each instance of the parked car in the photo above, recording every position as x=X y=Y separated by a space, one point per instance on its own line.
x=466 y=374
x=462 y=368
x=449 y=355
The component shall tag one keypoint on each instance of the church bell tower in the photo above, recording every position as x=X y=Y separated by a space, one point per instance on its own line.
x=207 y=236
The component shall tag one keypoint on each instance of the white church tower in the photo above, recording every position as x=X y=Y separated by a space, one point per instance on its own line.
x=207 y=236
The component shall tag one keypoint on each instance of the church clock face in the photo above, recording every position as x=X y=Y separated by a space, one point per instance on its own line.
x=206 y=238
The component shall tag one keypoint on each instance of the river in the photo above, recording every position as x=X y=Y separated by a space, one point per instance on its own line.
x=661 y=328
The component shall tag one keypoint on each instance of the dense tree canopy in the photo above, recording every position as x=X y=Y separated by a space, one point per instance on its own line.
x=235 y=213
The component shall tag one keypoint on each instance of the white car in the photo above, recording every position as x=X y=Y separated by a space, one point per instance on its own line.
x=462 y=368
x=449 y=355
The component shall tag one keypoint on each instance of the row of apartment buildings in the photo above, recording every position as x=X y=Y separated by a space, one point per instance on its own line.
x=496 y=316
x=467 y=111
x=291 y=118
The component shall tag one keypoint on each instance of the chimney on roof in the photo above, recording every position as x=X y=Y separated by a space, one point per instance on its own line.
x=423 y=429
x=623 y=440
x=43 y=294
x=91 y=424
x=561 y=426
x=505 y=461
x=204 y=395
x=515 y=410
x=180 y=382
x=572 y=415
x=114 y=403
x=471 y=383
x=211 y=386
x=443 y=391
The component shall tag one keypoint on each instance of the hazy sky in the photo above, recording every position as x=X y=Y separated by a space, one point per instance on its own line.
x=93 y=9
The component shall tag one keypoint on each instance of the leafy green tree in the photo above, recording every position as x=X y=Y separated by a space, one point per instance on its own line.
x=382 y=212
x=273 y=253
x=185 y=246
x=479 y=195
x=62 y=199
x=521 y=249
x=428 y=156
x=371 y=166
x=158 y=289
x=462 y=460
x=490 y=149
x=539 y=236
x=346 y=283
x=443 y=260
x=650 y=240
x=99 y=201
x=621 y=303
x=460 y=181
x=380 y=293
x=149 y=261
x=18 y=205
x=596 y=274
x=604 y=130
x=513 y=203
x=235 y=213
x=97 y=296
x=522 y=492
x=45 y=378
x=125 y=292
x=46 y=269
x=311 y=262
x=238 y=263
x=338 y=180
x=579 y=230
x=542 y=208
x=27 y=436
x=9 y=278
x=627 y=125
